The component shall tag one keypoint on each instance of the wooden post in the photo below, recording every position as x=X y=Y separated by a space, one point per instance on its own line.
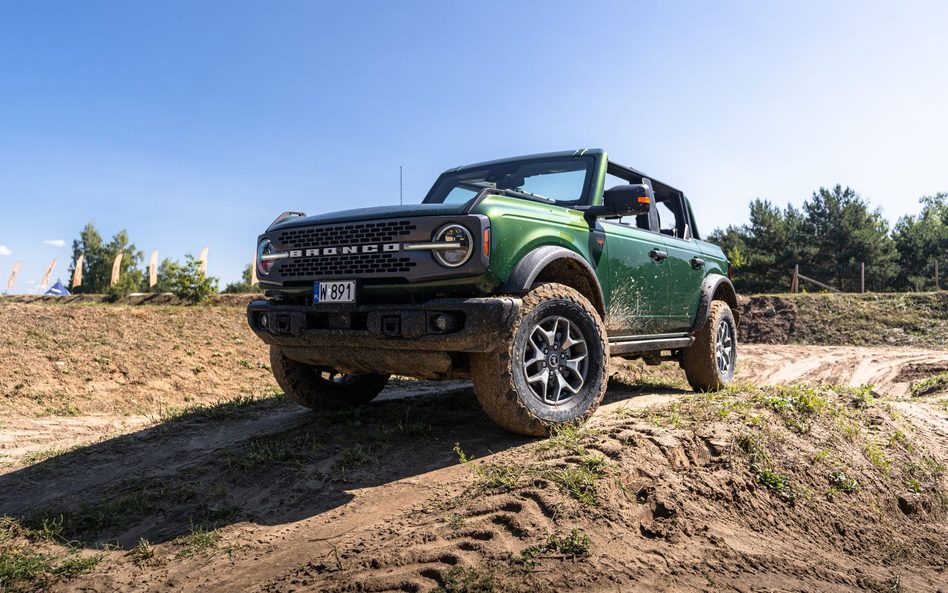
x=795 y=284
x=862 y=277
x=937 y=287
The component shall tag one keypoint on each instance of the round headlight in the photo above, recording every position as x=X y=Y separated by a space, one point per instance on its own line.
x=264 y=265
x=454 y=257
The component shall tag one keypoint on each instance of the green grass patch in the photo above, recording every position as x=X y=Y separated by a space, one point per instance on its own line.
x=225 y=408
x=765 y=474
x=839 y=482
x=22 y=569
x=901 y=319
x=39 y=455
x=201 y=541
x=143 y=553
x=412 y=427
x=25 y=567
x=462 y=579
x=272 y=450
x=66 y=409
x=130 y=501
x=578 y=480
x=567 y=437
x=797 y=400
x=931 y=386
x=492 y=475
x=574 y=545
x=877 y=457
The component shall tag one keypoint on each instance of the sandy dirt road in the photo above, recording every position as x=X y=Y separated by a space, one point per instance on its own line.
x=891 y=370
x=364 y=501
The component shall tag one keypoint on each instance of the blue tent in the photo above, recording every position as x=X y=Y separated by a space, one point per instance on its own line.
x=58 y=290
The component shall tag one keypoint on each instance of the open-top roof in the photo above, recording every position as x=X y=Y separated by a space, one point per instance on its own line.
x=657 y=185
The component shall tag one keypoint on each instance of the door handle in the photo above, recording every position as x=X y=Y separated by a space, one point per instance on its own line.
x=658 y=254
x=697 y=263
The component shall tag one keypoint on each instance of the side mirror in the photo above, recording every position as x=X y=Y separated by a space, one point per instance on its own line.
x=622 y=200
x=627 y=200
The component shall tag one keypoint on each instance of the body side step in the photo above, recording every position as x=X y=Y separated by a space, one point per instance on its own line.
x=632 y=346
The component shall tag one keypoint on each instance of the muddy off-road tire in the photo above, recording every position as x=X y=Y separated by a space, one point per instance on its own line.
x=514 y=383
x=709 y=362
x=323 y=388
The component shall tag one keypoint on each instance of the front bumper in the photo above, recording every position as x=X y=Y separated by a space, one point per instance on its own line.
x=438 y=325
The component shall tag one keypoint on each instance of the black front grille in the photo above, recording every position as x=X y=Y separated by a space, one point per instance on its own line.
x=347 y=265
x=345 y=234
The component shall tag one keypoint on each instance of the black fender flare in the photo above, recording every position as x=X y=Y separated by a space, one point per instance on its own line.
x=715 y=287
x=525 y=273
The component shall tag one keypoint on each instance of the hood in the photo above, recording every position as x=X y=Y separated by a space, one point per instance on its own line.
x=377 y=212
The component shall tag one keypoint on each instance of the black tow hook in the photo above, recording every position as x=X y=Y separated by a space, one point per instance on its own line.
x=293 y=322
x=392 y=326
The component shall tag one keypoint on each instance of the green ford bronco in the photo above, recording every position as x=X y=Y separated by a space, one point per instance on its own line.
x=523 y=274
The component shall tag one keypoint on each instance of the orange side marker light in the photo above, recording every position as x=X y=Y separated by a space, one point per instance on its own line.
x=486 y=242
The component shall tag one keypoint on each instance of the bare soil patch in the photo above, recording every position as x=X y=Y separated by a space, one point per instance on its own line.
x=125 y=360
x=891 y=371
x=767 y=320
x=912 y=373
x=660 y=492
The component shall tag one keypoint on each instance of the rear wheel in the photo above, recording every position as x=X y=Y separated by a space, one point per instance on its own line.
x=709 y=363
x=551 y=367
x=323 y=388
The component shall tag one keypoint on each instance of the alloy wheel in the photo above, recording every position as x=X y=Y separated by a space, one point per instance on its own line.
x=555 y=360
x=724 y=348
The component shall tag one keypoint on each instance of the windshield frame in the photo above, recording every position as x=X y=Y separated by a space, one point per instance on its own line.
x=583 y=200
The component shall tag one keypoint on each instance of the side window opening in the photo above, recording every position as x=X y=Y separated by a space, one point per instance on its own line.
x=671 y=219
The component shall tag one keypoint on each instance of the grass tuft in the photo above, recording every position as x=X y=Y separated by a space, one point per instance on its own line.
x=201 y=541
x=462 y=579
x=492 y=475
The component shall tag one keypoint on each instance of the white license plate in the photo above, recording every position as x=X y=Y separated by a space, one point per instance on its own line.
x=334 y=292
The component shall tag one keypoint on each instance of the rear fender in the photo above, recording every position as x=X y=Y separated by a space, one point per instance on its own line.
x=715 y=288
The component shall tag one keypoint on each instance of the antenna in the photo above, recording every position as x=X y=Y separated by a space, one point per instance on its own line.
x=400 y=202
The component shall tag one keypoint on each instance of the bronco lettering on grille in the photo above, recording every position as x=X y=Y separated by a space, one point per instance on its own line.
x=345 y=250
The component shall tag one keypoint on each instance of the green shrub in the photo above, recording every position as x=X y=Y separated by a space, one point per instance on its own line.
x=188 y=282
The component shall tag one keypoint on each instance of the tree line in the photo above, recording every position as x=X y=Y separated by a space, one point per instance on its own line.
x=183 y=279
x=834 y=232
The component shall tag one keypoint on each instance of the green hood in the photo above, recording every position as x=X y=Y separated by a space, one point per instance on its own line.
x=408 y=210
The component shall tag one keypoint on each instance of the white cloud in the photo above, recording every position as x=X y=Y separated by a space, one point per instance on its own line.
x=55 y=242
x=5 y=251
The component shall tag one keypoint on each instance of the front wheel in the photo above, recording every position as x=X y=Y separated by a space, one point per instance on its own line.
x=323 y=388
x=709 y=362
x=551 y=367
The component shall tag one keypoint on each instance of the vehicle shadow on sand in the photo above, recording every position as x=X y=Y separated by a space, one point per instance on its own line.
x=268 y=462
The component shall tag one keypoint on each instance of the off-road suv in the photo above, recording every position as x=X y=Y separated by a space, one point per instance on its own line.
x=523 y=274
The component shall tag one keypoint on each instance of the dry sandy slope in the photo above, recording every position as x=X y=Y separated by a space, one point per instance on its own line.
x=891 y=370
x=85 y=359
x=377 y=500
x=678 y=508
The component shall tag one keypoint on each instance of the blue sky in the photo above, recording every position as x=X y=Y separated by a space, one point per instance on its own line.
x=196 y=123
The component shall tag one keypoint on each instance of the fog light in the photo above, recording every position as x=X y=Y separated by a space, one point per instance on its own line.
x=263 y=321
x=440 y=323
